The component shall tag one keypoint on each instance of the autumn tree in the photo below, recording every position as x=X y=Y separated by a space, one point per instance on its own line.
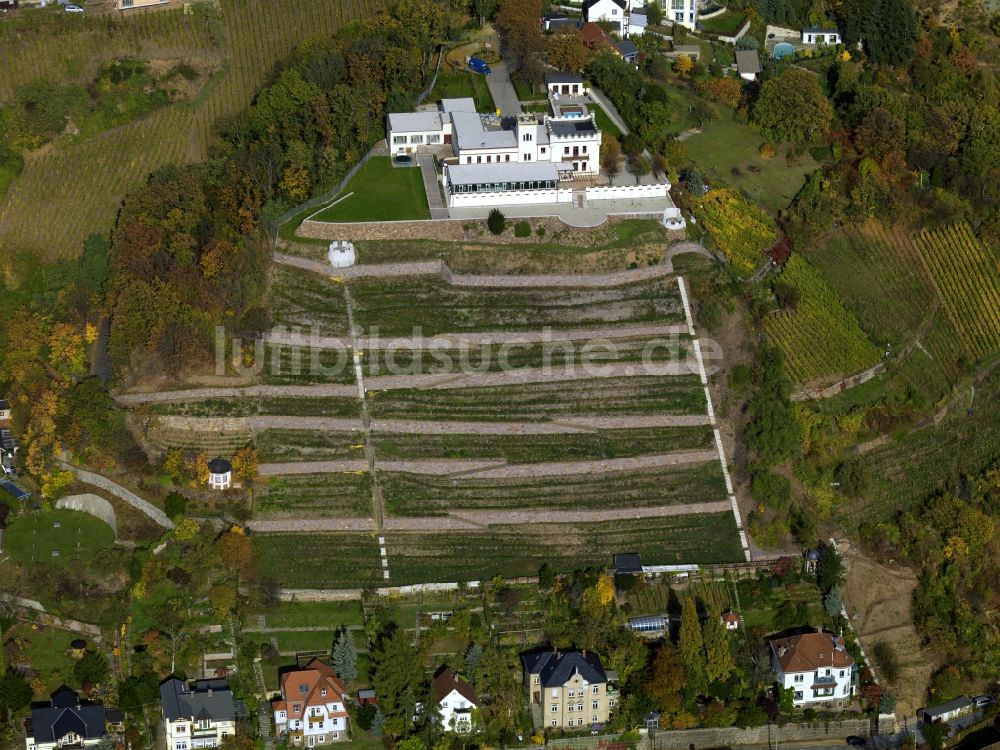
x=683 y=64
x=611 y=156
x=566 y=51
x=245 y=465
x=517 y=24
x=236 y=552
x=691 y=645
x=666 y=679
x=792 y=107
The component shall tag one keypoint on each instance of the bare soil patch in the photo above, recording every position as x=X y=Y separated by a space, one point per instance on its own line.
x=878 y=599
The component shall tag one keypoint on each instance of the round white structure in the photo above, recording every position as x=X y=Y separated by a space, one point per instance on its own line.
x=675 y=223
x=341 y=254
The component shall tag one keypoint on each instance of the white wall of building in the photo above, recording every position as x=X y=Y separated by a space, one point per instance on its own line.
x=408 y=143
x=318 y=727
x=185 y=734
x=802 y=683
x=606 y=10
x=455 y=709
x=684 y=12
x=512 y=198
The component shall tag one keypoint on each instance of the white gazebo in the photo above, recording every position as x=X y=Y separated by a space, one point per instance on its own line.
x=341 y=254
x=220 y=474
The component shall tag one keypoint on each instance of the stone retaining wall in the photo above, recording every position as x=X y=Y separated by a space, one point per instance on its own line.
x=835 y=731
x=93 y=505
x=454 y=230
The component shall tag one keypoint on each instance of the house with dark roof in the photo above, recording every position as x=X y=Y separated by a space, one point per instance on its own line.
x=555 y=21
x=567 y=689
x=312 y=709
x=628 y=51
x=947 y=711
x=456 y=701
x=817 y=666
x=627 y=563
x=614 y=12
x=198 y=715
x=4 y=410
x=65 y=722
x=566 y=84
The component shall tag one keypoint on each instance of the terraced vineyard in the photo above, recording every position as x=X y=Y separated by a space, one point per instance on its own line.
x=82 y=185
x=489 y=468
x=421 y=495
x=820 y=338
x=968 y=282
x=521 y=550
x=397 y=305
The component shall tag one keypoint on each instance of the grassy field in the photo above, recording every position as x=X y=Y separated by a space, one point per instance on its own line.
x=820 y=337
x=307 y=614
x=422 y=495
x=521 y=550
x=726 y=153
x=396 y=306
x=317 y=495
x=380 y=192
x=539 y=448
x=459 y=84
x=604 y=123
x=83 y=184
x=48 y=651
x=769 y=610
x=492 y=358
x=321 y=560
x=75 y=536
x=308 y=445
x=725 y=25
x=308 y=302
x=680 y=394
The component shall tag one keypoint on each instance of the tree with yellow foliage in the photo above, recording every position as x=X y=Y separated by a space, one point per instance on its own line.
x=598 y=597
x=245 y=463
x=683 y=64
x=67 y=354
x=236 y=552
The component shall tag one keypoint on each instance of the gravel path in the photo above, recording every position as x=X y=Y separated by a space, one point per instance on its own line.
x=478 y=338
x=253 y=391
x=479 y=519
x=497 y=281
x=562 y=426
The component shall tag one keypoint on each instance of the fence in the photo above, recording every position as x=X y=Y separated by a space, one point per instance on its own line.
x=611 y=192
x=326 y=197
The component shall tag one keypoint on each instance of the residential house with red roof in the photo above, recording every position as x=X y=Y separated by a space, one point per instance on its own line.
x=312 y=709
x=456 y=700
x=817 y=666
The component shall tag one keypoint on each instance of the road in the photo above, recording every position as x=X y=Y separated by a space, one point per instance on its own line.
x=502 y=90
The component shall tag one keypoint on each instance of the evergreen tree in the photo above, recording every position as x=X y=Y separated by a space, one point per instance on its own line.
x=719 y=663
x=692 y=645
x=15 y=693
x=496 y=221
x=829 y=568
x=398 y=678
x=833 y=602
x=345 y=657
x=472 y=659
x=378 y=723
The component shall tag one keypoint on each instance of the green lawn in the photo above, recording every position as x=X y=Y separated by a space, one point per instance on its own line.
x=47 y=649
x=320 y=560
x=77 y=537
x=306 y=614
x=604 y=123
x=458 y=84
x=380 y=192
x=726 y=152
x=726 y=25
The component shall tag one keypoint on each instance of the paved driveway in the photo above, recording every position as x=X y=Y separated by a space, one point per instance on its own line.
x=502 y=90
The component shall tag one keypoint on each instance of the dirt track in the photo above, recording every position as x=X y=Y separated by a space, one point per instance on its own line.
x=878 y=599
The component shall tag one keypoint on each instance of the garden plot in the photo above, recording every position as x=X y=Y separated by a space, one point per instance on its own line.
x=521 y=550
x=428 y=495
x=537 y=448
x=308 y=445
x=398 y=305
x=333 y=494
x=680 y=394
x=320 y=560
x=493 y=357
x=305 y=300
x=305 y=614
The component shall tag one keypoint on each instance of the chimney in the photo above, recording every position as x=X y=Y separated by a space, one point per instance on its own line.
x=454 y=676
x=209 y=691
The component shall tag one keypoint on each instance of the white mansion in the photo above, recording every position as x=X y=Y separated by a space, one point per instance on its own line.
x=522 y=159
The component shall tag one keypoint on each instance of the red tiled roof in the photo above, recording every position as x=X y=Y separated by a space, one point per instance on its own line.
x=811 y=651
x=303 y=688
